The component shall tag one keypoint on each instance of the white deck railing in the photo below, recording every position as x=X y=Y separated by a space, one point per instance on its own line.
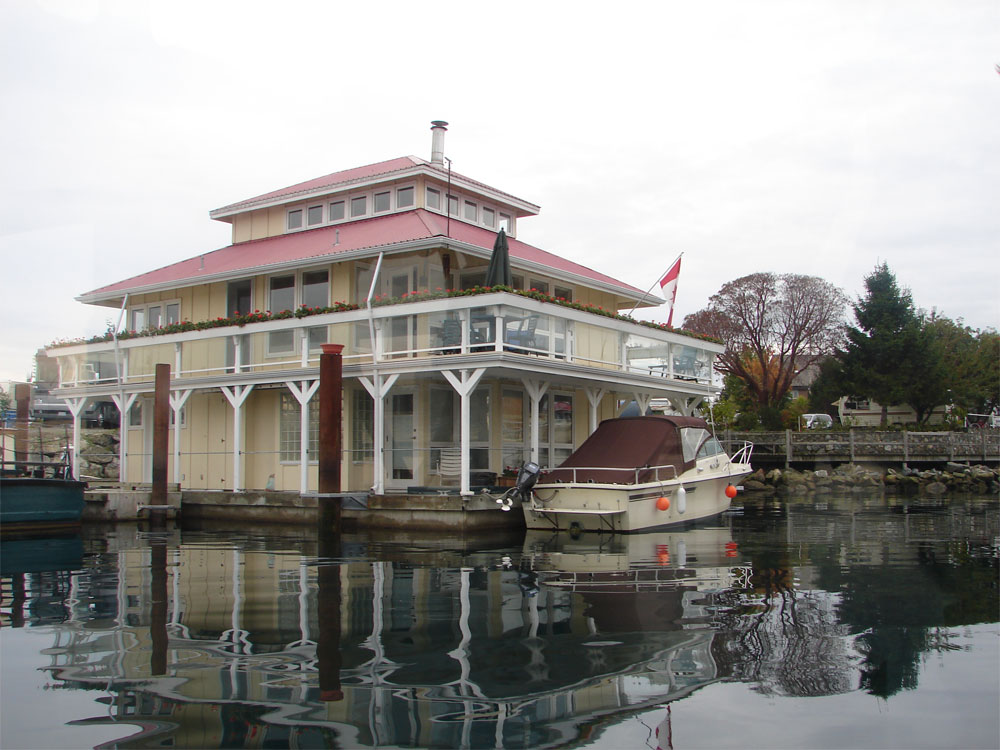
x=434 y=331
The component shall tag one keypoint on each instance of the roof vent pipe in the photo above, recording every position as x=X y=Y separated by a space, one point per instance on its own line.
x=438 y=129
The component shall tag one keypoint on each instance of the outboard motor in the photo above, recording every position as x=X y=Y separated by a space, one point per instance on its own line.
x=527 y=475
x=526 y=478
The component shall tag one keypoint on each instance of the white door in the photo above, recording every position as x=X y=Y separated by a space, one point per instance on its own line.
x=401 y=464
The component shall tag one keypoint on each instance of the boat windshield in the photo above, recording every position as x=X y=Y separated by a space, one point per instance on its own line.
x=711 y=447
x=691 y=440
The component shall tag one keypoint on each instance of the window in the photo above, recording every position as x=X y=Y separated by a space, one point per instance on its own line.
x=404 y=197
x=539 y=286
x=489 y=217
x=282 y=293
x=154 y=315
x=316 y=288
x=135 y=414
x=470 y=279
x=470 y=211
x=336 y=210
x=359 y=206
x=290 y=425
x=453 y=205
x=281 y=296
x=434 y=199
x=564 y=293
x=362 y=425
x=238 y=297
x=316 y=337
x=382 y=202
x=138 y=319
x=445 y=430
x=295 y=219
x=504 y=223
x=315 y=215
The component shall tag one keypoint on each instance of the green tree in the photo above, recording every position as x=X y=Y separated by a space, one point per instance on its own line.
x=876 y=360
x=971 y=359
x=827 y=388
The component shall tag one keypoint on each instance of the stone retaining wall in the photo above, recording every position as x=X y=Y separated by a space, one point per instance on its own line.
x=978 y=479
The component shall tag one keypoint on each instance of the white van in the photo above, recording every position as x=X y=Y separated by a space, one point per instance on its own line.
x=815 y=422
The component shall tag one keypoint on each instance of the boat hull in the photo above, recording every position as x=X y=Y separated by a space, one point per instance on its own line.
x=29 y=501
x=631 y=507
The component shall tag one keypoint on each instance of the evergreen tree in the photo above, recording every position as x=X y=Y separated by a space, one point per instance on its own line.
x=884 y=351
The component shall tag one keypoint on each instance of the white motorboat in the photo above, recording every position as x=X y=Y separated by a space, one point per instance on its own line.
x=638 y=473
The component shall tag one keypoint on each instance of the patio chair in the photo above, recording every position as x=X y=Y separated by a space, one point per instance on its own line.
x=522 y=338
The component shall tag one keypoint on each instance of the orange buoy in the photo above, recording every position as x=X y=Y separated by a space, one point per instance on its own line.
x=730 y=491
x=663 y=503
x=664 y=558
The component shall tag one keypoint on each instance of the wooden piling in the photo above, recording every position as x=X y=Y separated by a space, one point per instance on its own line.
x=331 y=366
x=22 y=397
x=161 y=428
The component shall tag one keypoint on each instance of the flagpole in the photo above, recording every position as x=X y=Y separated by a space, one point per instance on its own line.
x=654 y=284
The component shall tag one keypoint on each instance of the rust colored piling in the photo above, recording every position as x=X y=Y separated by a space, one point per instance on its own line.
x=22 y=397
x=331 y=381
x=158 y=636
x=161 y=427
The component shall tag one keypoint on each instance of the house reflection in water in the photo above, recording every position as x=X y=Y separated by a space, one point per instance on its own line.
x=486 y=652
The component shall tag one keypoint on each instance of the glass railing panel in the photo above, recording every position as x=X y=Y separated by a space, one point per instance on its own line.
x=646 y=355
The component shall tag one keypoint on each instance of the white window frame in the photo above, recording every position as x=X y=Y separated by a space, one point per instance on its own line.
x=298 y=292
x=293 y=432
x=378 y=193
x=145 y=307
x=322 y=216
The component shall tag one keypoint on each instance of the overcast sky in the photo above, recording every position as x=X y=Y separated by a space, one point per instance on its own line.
x=796 y=137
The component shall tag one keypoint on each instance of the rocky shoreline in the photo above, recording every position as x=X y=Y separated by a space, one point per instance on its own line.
x=976 y=479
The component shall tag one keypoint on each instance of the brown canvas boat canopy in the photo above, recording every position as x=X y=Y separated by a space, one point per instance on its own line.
x=620 y=446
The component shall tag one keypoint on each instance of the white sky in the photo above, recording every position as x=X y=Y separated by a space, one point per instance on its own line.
x=805 y=137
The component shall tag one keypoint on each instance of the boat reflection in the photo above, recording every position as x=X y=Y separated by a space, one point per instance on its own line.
x=517 y=649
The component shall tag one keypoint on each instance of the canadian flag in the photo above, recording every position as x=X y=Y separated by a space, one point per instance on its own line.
x=668 y=286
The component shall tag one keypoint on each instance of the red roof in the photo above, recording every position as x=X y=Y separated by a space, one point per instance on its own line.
x=327 y=243
x=357 y=174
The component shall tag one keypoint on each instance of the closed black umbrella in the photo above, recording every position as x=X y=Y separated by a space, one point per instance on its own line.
x=499 y=271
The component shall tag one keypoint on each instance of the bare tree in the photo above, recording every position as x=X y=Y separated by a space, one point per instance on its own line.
x=774 y=326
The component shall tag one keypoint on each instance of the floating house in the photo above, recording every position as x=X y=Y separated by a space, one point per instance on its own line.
x=447 y=383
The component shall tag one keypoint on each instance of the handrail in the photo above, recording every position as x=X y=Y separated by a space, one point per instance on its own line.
x=635 y=471
x=742 y=456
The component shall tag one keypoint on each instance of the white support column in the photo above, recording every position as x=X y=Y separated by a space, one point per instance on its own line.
x=236 y=396
x=378 y=389
x=686 y=405
x=642 y=401
x=177 y=401
x=535 y=389
x=303 y=395
x=465 y=386
x=304 y=348
x=594 y=397
x=76 y=408
x=123 y=410
x=499 y=329
x=125 y=359
x=237 y=354
x=177 y=360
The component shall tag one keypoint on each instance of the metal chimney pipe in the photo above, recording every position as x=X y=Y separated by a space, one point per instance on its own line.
x=438 y=129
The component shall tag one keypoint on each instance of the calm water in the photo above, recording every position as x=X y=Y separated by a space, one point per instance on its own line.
x=847 y=623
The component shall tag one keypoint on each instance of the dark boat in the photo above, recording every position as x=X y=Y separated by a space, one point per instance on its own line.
x=39 y=495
